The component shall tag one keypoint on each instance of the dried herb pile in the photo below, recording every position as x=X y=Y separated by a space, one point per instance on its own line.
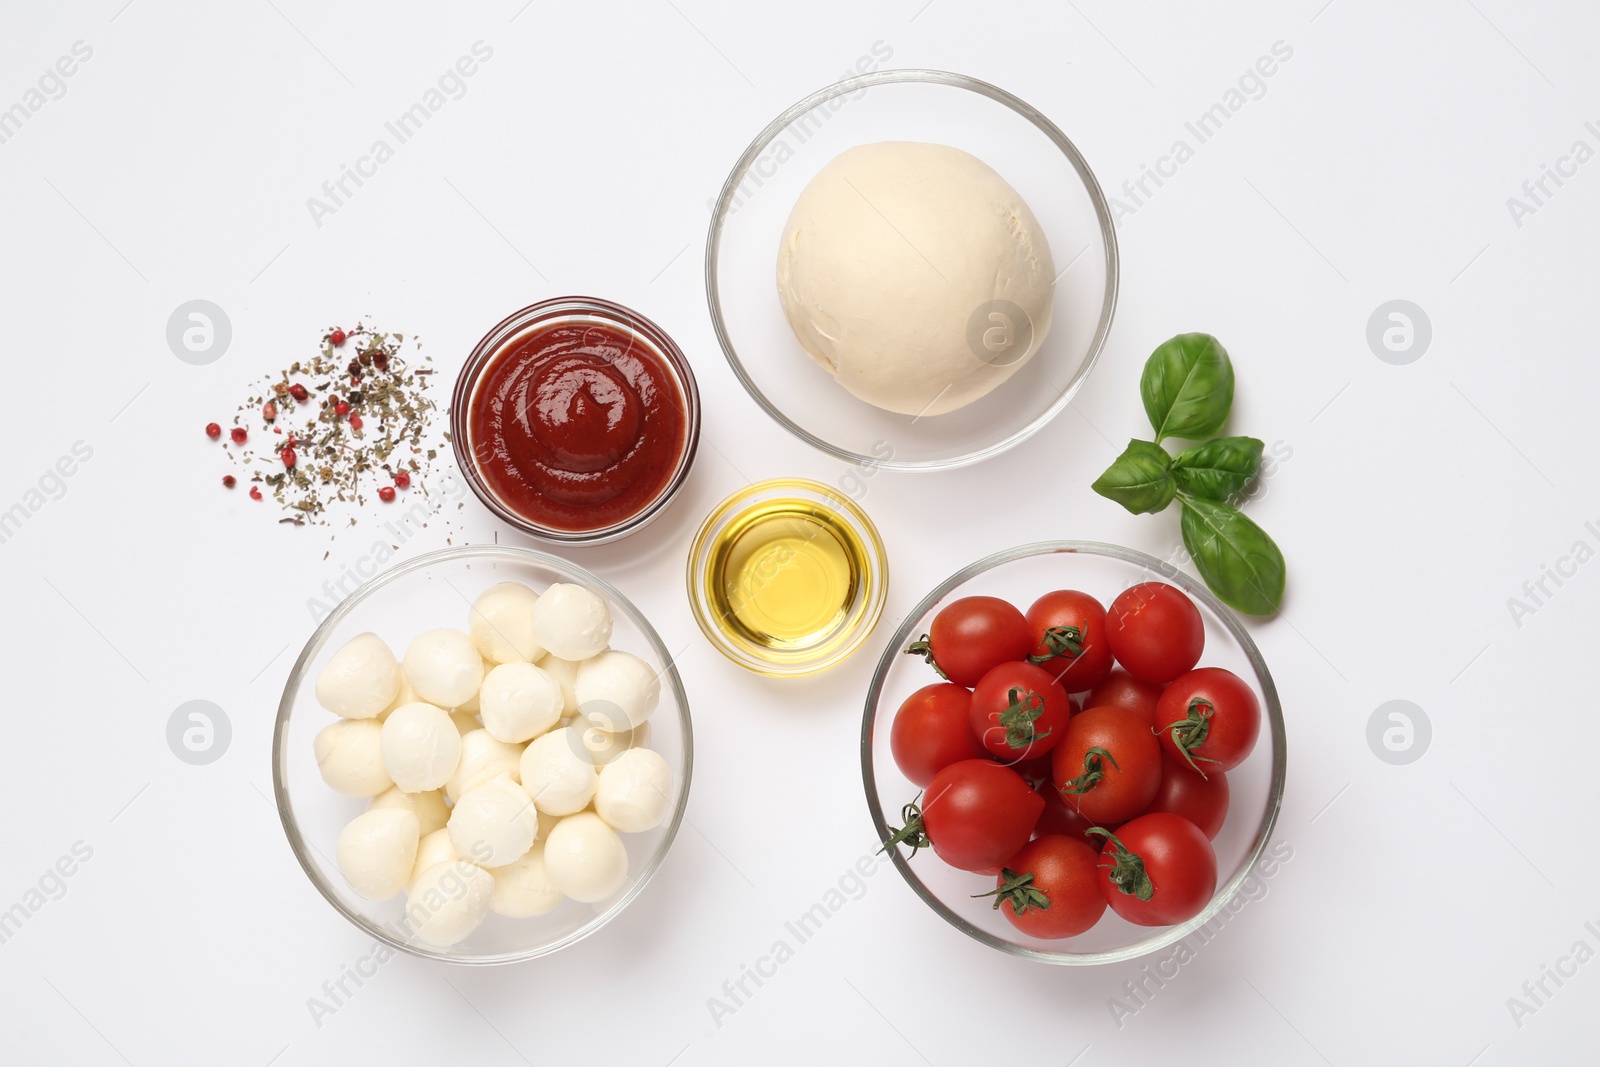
x=353 y=419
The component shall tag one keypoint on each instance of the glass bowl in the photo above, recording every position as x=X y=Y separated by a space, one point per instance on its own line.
x=807 y=508
x=1021 y=575
x=572 y=309
x=437 y=589
x=934 y=106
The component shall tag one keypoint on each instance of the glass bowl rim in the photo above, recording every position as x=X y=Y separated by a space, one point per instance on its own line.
x=840 y=502
x=1273 y=709
x=926 y=76
x=319 y=638
x=505 y=330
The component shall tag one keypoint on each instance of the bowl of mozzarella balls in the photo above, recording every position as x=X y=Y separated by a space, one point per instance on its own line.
x=482 y=755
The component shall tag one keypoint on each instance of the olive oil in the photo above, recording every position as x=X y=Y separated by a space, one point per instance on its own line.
x=785 y=577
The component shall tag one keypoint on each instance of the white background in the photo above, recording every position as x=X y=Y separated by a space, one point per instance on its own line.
x=1417 y=500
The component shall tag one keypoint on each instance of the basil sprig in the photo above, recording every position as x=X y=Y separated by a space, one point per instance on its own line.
x=1187 y=389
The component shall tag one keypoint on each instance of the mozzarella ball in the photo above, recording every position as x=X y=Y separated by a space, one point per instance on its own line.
x=447 y=902
x=471 y=703
x=427 y=806
x=604 y=746
x=572 y=622
x=502 y=624
x=482 y=757
x=494 y=823
x=519 y=702
x=377 y=851
x=444 y=667
x=350 y=756
x=432 y=850
x=565 y=672
x=361 y=678
x=547 y=822
x=557 y=772
x=585 y=858
x=405 y=695
x=616 y=684
x=916 y=276
x=421 y=747
x=634 y=790
x=522 y=889
x=465 y=722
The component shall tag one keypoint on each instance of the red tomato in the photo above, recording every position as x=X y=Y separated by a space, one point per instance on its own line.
x=971 y=636
x=1018 y=712
x=1051 y=888
x=1200 y=798
x=1069 y=630
x=976 y=814
x=1158 y=870
x=1060 y=818
x=1155 y=632
x=1209 y=718
x=932 y=730
x=1125 y=691
x=1108 y=766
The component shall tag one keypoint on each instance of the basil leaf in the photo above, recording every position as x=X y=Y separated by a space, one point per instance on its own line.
x=1138 y=480
x=1217 y=470
x=1237 y=559
x=1187 y=387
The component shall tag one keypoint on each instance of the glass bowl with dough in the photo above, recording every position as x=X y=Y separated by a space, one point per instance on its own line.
x=912 y=270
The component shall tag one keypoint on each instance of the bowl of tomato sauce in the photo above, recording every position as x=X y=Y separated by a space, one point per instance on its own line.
x=576 y=420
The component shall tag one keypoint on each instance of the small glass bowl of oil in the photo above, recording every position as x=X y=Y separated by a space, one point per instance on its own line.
x=787 y=577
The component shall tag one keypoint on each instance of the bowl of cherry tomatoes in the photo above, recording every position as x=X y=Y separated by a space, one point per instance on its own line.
x=1073 y=752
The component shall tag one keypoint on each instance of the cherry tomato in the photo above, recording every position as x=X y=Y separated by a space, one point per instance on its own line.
x=932 y=730
x=1018 y=712
x=976 y=814
x=1069 y=631
x=1200 y=798
x=1059 y=817
x=1158 y=870
x=1125 y=691
x=1209 y=718
x=1108 y=766
x=971 y=636
x=1051 y=888
x=1155 y=632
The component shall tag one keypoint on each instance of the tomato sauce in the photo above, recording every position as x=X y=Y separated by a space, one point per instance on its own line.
x=578 y=426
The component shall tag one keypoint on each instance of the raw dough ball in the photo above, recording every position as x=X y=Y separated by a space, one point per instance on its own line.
x=522 y=889
x=350 y=756
x=494 y=823
x=421 y=747
x=616 y=683
x=502 y=623
x=448 y=902
x=427 y=806
x=482 y=757
x=557 y=772
x=377 y=851
x=432 y=850
x=892 y=265
x=634 y=791
x=444 y=667
x=519 y=702
x=571 y=621
x=565 y=672
x=361 y=678
x=585 y=858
